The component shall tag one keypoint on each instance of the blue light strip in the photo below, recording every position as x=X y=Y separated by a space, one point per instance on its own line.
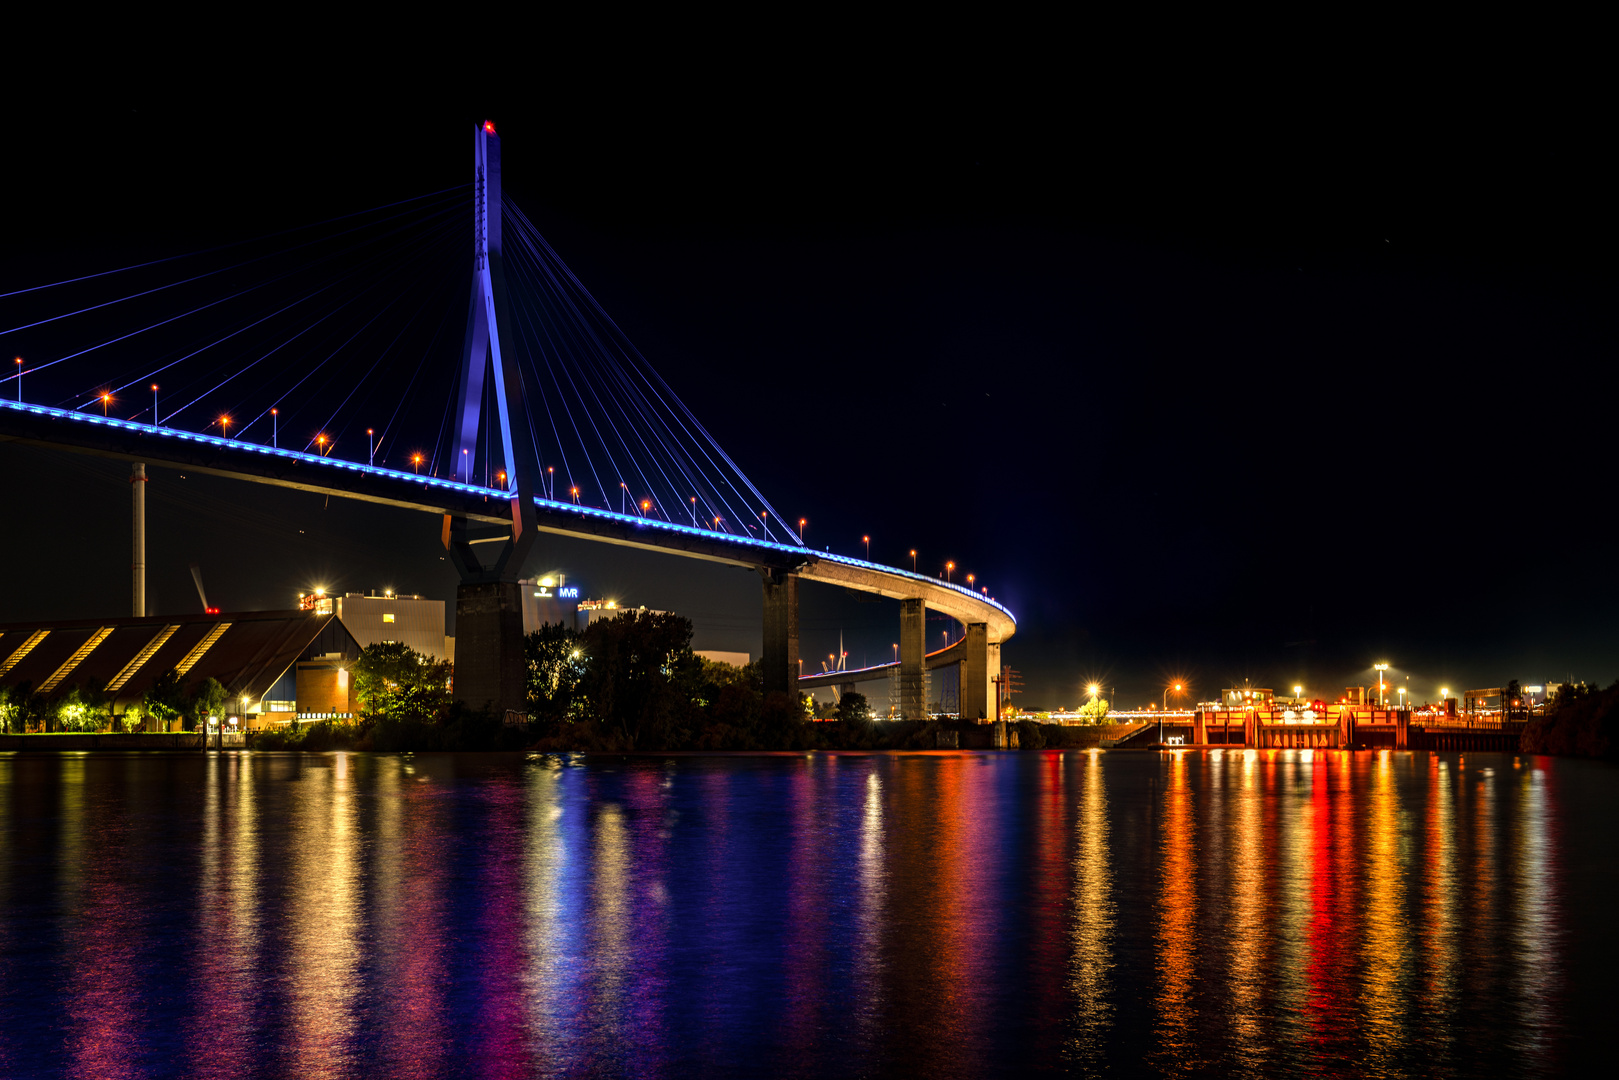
x=437 y=484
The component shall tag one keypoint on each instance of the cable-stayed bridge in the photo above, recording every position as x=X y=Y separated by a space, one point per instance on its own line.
x=255 y=361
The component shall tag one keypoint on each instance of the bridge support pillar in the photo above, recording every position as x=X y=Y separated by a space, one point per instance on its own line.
x=977 y=693
x=780 y=658
x=913 y=627
x=489 y=663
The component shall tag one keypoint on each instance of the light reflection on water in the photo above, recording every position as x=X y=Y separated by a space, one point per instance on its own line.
x=1247 y=913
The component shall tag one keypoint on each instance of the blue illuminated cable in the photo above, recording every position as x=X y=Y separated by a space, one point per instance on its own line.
x=539 y=240
x=396 y=257
x=187 y=281
x=233 y=243
x=604 y=364
x=324 y=361
x=380 y=355
x=526 y=317
x=286 y=341
x=406 y=394
x=584 y=447
x=204 y=307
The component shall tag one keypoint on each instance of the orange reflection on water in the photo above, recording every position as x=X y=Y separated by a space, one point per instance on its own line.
x=1441 y=891
x=1176 y=911
x=228 y=919
x=1246 y=939
x=1091 y=917
x=1384 y=951
x=325 y=943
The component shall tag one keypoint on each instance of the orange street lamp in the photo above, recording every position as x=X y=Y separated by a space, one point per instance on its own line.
x=913 y=560
x=19 y=379
x=969 y=581
x=275 y=421
x=575 y=493
x=371 y=437
x=320 y=442
x=550 y=482
x=155 y=419
x=949 y=568
x=105 y=398
x=1168 y=690
x=416 y=463
x=867 y=541
x=224 y=425
x=645 y=506
x=801 y=523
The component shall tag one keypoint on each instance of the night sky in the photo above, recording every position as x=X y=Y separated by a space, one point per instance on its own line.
x=1217 y=386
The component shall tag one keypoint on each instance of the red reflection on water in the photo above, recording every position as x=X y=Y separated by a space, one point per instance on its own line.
x=1049 y=890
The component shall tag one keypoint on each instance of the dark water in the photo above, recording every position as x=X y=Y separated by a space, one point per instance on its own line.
x=1244 y=913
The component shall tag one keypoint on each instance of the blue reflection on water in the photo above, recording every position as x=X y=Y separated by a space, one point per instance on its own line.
x=1238 y=913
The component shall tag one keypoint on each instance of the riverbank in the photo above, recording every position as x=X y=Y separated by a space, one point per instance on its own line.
x=80 y=741
x=477 y=733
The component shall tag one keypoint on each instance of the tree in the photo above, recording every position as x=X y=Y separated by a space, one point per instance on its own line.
x=556 y=663
x=640 y=676
x=854 y=710
x=84 y=708
x=207 y=699
x=18 y=706
x=1094 y=711
x=166 y=699
x=393 y=680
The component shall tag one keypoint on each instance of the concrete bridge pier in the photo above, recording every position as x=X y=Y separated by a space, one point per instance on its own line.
x=780 y=658
x=977 y=692
x=913 y=704
x=489 y=664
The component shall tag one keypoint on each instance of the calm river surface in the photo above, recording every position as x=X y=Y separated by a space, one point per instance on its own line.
x=1201 y=913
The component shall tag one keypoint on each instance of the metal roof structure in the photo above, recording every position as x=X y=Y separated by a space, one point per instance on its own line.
x=246 y=651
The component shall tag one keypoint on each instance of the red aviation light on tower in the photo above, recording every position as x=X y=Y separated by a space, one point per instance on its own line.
x=489 y=127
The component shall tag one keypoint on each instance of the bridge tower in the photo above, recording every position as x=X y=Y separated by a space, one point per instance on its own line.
x=489 y=667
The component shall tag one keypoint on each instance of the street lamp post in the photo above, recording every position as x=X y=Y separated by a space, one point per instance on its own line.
x=275 y=423
x=371 y=438
x=949 y=568
x=801 y=523
x=867 y=541
x=19 y=380
x=913 y=560
x=156 y=420
x=1380 y=668
x=105 y=398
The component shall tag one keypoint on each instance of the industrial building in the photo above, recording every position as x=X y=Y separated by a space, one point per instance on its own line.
x=374 y=618
x=276 y=666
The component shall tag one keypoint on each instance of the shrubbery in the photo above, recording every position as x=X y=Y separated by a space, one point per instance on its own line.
x=1581 y=721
